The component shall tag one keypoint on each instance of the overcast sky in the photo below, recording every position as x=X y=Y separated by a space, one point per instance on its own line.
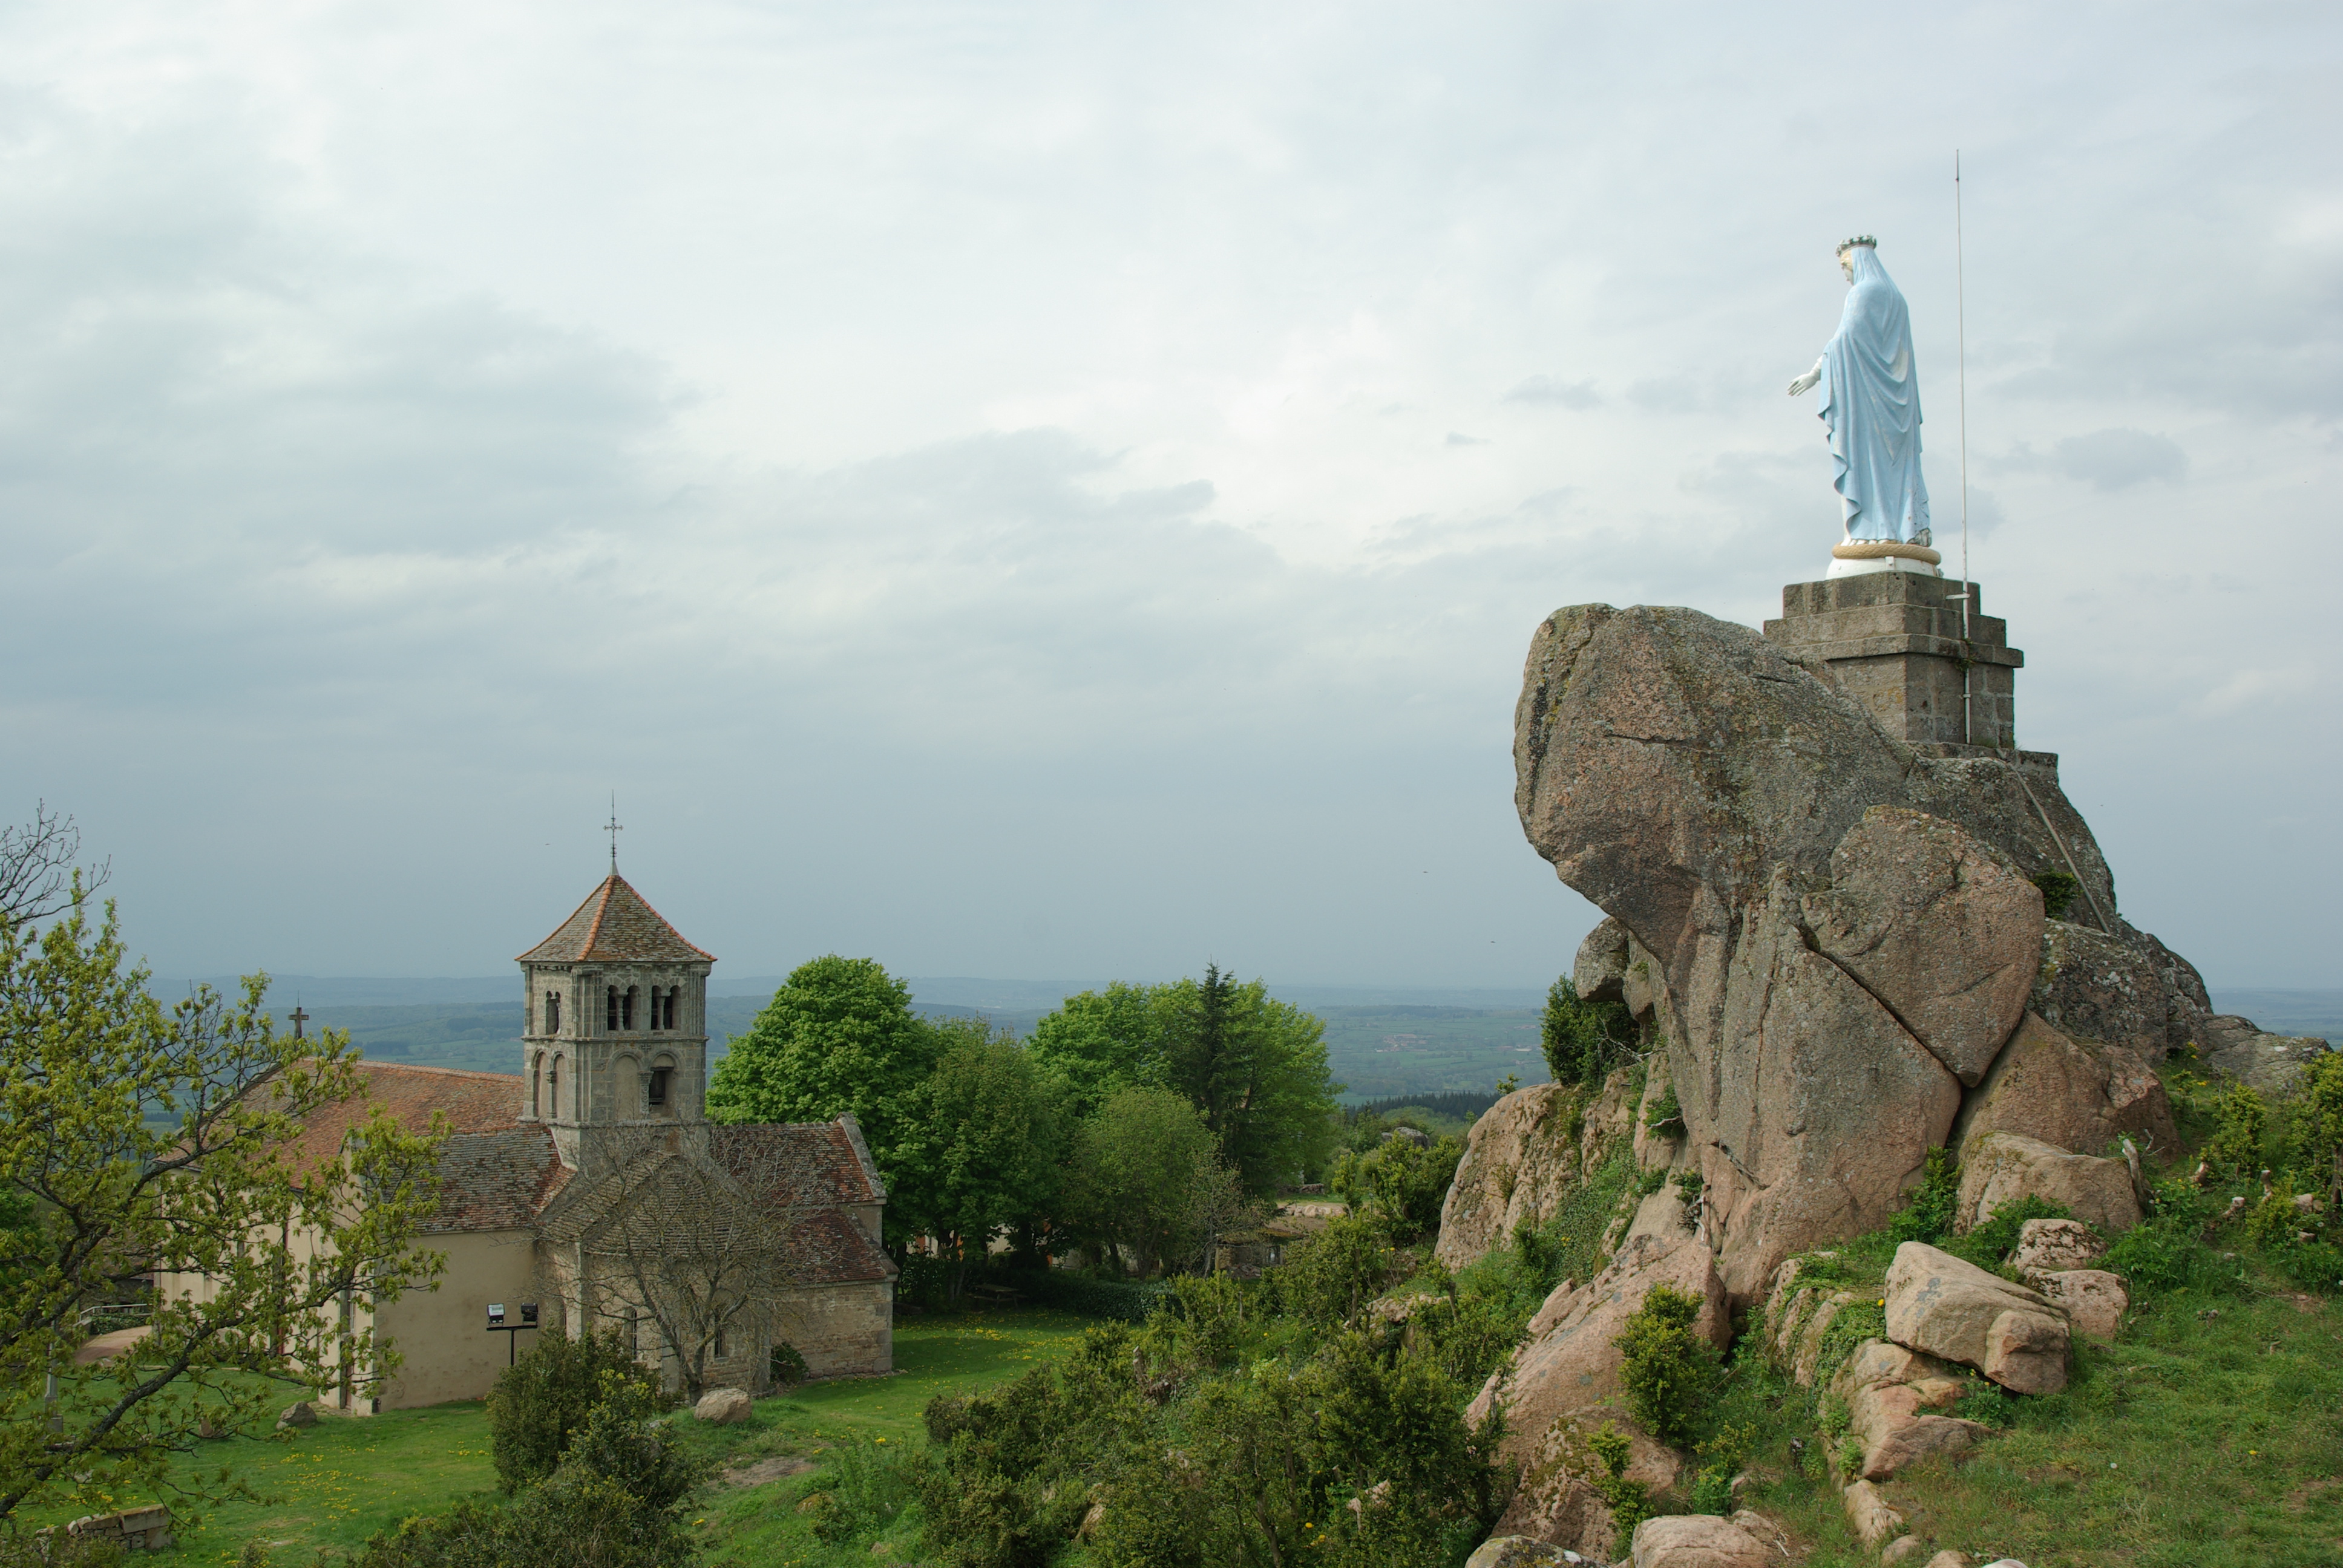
x=1064 y=491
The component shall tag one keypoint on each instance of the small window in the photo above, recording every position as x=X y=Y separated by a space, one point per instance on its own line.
x=658 y=1084
x=720 y=1351
x=553 y=1012
x=670 y=1006
x=627 y=1008
x=655 y=1004
x=634 y=1332
x=553 y=1088
x=610 y=1009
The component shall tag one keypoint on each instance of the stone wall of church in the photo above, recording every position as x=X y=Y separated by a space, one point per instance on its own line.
x=841 y=1329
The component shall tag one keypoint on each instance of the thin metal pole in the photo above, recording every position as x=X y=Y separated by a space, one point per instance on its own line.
x=1961 y=331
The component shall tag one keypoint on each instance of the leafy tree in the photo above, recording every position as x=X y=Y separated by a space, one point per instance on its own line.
x=541 y=1402
x=153 y=1143
x=990 y=1144
x=1102 y=1041
x=1584 y=1040
x=1143 y=1166
x=1327 y=1281
x=1400 y=1182
x=840 y=1035
x=1253 y=1066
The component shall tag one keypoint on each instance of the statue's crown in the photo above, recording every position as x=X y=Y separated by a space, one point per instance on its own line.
x=1847 y=244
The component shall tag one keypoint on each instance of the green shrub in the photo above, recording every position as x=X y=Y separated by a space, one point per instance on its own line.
x=1669 y=1371
x=1584 y=1040
x=1665 y=1112
x=1930 y=1215
x=1064 y=1290
x=1987 y=1403
x=1690 y=1184
x=2059 y=891
x=1990 y=1242
x=1329 y=1279
x=614 y=1502
x=2168 y=1250
x=2315 y=1130
x=28 y=1549
x=1629 y=1500
x=786 y=1366
x=868 y=1485
x=543 y=1400
x=2236 y=1147
x=1650 y=1181
x=1399 y=1182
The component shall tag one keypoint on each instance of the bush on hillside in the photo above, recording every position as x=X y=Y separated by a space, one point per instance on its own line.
x=543 y=1400
x=1670 y=1373
x=1328 y=1280
x=1929 y=1216
x=1584 y=1040
x=615 y=1501
x=1399 y=1182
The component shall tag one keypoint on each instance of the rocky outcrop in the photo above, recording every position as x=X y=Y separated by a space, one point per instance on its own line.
x=1810 y=1108
x=1700 y=786
x=1518 y=1552
x=2076 y=1094
x=1941 y=1305
x=1557 y=1500
x=1600 y=972
x=1896 y=1401
x=1936 y=925
x=1524 y=1156
x=1876 y=1523
x=2002 y=1167
x=2094 y=1299
x=2102 y=988
x=1566 y=1361
x=2045 y=1246
x=1697 y=1541
x=1797 y=1317
x=2273 y=1063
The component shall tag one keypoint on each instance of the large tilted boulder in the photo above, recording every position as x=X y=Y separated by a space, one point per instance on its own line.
x=2001 y=1167
x=1696 y=783
x=1812 y=1109
x=1936 y=924
x=2072 y=1093
x=1942 y=1306
x=1600 y=971
x=1697 y=1541
x=1524 y=1156
x=1555 y=1501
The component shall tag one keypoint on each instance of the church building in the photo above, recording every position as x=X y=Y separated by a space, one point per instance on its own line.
x=593 y=1193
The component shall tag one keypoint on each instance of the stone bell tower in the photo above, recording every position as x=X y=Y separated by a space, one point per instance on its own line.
x=615 y=1031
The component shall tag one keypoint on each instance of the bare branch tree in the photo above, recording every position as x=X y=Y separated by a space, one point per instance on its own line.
x=38 y=877
x=694 y=1247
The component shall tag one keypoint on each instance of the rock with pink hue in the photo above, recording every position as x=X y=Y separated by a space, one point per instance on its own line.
x=2047 y=1245
x=1936 y=924
x=1557 y=1500
x=1526 y=1155
x=1895 y=1400
x=2002 y=1168
x=722 y=1406
x=2069 y=1093
x=1696 y=1541
x=2094 y=1299
x=1875 y=1523
x=1948 y=1307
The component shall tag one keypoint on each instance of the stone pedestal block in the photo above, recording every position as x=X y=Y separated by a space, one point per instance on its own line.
x=1894 y=640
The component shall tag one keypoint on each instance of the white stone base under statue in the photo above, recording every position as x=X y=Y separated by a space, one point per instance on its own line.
x=1853 y=558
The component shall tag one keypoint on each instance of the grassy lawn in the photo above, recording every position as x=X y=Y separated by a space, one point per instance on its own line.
x=334 y=1484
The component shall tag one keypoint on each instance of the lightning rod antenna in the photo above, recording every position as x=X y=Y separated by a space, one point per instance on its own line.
x=1961 y=336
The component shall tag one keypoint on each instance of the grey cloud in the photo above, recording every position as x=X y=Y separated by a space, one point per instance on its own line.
x=2113 y=459
x=1458 y=438
x=1551 y=389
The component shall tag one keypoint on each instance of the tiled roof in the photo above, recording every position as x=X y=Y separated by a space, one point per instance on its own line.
x=797 y=1165
x=614 y=925
x=497 y=1181
x=472 y=1103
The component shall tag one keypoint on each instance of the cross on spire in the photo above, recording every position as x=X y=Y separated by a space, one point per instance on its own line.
x=614 y=828
x=298 y=1018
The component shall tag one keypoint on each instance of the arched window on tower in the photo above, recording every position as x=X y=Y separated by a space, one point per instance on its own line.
x=670 y=1005
x=627 y=1008
x=656 y=992
x=553 y=1012
x=553 y=1088
x=536 y=1082
x=610 y=1009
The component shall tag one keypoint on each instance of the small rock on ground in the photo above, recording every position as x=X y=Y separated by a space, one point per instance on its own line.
x=763 y=1471
x=1872 y=1520
x=1903 y=1549
x=722 y=1406
x=299 y=1414
x=1697 y=1541
x=1514 y=1552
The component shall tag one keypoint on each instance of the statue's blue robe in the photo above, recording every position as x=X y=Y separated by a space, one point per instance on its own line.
x=1870 y=401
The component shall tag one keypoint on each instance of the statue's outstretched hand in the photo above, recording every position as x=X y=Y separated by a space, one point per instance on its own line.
x=1805 y=383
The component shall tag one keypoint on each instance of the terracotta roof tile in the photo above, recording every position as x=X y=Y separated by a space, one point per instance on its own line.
x=497 y=1181
x=614 y=925
x=795 y=1165
x=472 y=1103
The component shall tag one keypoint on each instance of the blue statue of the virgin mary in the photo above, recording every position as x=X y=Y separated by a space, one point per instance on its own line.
x=1870 y=401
